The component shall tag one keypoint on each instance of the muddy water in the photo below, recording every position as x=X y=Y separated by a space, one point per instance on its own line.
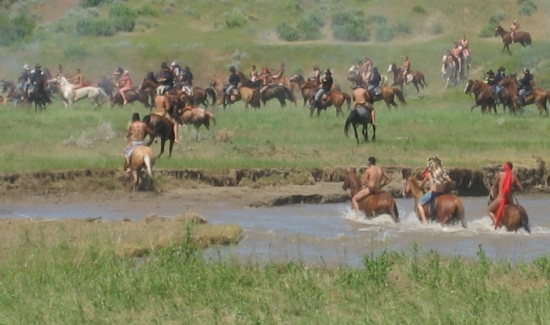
x=330 y=233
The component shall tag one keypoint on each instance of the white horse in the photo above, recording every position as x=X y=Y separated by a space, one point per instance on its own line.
x=355 y=71
x=69 y=95
x=449 y=70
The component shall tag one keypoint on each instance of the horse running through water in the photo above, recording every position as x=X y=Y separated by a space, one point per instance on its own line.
x=94 y=94
x=160 y=127
x=375 y=204
x=521 y=37
x=513 y=215
x=359 y=115
x=448 y=207
x=334 y=97
x=141 y=157
x=414 y=76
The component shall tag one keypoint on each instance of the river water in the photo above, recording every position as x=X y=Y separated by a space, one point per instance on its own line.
x=330 y=233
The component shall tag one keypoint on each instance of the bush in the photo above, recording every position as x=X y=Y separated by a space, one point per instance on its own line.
x=351 y=31
x=147 y=10
x=95 y=27
x=487 y=31
x=75 y=51
x=287 y=32
x=527 y=8
x=91 y=3
x=419 y=9
x=15 y=30
x=384 y=33
x=308 y=29
x=294 y=6
x=122 y=18
x=437 y=29
x=496 y=19
x=340 y=18
x=403 y=27
x=379 y=19
x=235 y=20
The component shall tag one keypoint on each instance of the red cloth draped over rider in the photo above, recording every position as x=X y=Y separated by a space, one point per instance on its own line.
x=506 y=186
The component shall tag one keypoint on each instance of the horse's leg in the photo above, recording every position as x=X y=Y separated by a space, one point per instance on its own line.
x=365 y=132
x=162 y=141
x=373 y=132
x=354 y=124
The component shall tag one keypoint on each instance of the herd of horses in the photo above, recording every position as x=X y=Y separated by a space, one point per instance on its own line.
x=447 y=209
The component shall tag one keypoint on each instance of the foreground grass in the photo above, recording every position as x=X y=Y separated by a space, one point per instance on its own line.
x=90 y=284
x=60 y=139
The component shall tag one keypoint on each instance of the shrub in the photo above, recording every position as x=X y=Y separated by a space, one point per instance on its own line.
x=15 y=30
x=436 y=28
x=487 y=31
x=235 y=20
x=75 y=51
x=294 y=6
x=95 y=27
x=147 y=10
x=351 y=31
x=419 y=9
x=403 y=27
x=91 y=3
x=496 y=19
x=379 y=19
x=384 y=33
x=308 y=29
x=340 y=18
x=191 y=12
x=527 y=7
x=287 y=32
x=122 y=18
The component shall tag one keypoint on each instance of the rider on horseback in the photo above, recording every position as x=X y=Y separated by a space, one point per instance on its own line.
x=25 y=79
x=162 y=108
x=187 y=81
x=366 y=69
x=456 y=51
x=117 y=73
x=77 y=82
x=316 y=76
x=406 y=69
x=374 y=83
x=136 y=132
x=372 y=182
x=266 y=78
x=233 y=83
x=126 y=82
x=360 y=98
x=176 y=71
x=504 y=181
x=279 y=73
x=253 y=74
x=326 y=84
x=525 y=86
x=497 y=89
x=513 y=28
x=436 y=175
x=166 y=79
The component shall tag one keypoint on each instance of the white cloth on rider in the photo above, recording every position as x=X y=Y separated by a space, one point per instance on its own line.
x=130 y=149
x=188 y=90
x=160 y=89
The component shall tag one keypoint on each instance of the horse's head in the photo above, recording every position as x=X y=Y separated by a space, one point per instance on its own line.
x=412 y=187
x=392 y=67
x=498 y=30
x=351 y=181
x=468 y=87
x=353 y=69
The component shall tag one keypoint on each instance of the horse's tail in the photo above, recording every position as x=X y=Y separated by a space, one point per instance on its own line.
x=289 y=94
x=102 y=92
x=213 y=94
x=347 y=98
x=400 y=96
x=210 y=116
x=459 y=213
x=351 y=117
x=528 y=39
x=148 y=164
x=524 y=219
x=424 y=81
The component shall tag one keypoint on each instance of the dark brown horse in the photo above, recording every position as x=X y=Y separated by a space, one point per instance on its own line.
x=307 y=88
x=135 y=94
x=513 y=215
x=375 y=204
x=521 y=37
x=160 y=127
x=334 y=97
x=359 y=115
x=483 y=95
x=414 y=76
x=538 y=96
x=448 y=207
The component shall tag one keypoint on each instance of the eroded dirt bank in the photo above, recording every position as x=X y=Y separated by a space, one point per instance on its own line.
x=245 y=187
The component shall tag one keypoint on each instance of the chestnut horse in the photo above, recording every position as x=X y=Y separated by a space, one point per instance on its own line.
x=521 y=37
x=375 y=204
x=448 y=207
x=414 y=76
x=196 y=116
x=247 y=95
x=334 y=97
x=483 y=95
x=141 y=157
x=513 y=215
x=538 y=96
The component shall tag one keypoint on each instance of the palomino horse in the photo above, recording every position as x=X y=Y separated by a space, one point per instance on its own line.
x=160 y=127
x=307 y=88
x=447 y=208
x=513 y=216
x=414 y=76
x=521 y=37
x=246 y=94
x=69 y=95
x=449 y=71
x=359 y=115
x=334 y=97
x=375 y=204
x=141 y=157
x=355 y=76
x=196 y=116
x=538 y=96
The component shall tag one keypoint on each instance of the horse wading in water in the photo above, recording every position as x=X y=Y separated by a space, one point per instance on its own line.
x=375 y=204
x=513 y=216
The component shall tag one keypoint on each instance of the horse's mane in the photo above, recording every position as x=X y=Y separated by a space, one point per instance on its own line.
x=151 y=77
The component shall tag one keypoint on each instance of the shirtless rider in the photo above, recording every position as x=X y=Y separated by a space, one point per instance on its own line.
x=372 y=182
x=162 y=108
x=360 y=98
x=136 y=132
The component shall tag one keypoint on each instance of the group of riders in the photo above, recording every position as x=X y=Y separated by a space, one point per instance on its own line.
x=524 y=85
x=375 y=178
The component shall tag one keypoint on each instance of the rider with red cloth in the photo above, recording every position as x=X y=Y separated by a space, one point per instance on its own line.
x=504 y=181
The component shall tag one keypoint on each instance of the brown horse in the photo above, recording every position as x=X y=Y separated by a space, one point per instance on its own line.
x=375 y=204
x=141 y=157
x=448 y=207
x=307 y=88
x=247 y=95
x=196 y=116
x=334 y=97
x=513 y=215
x=200 y=96
x=483 y=95
x=521 y=37
x=388 y=95
x=538 y=96
x=160 y=127
x=414 y=76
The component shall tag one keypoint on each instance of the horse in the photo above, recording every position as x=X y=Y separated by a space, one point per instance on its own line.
x=307 y=88
x=375 y=204
x=246 y=94
x=355 y=76
x=334 y=97
x=13 y=91
x=538 y=96
x=141 y=157
x=513 y=216
x=135 y=94
x=280 y=92
x=39 y=95
x=449 y=71
x=160 y=127
x=521 y=37
x=69 y=95
x=196 y=116
x=483 y=95
x=359 y=115
x=414 y=76
x=447 y=208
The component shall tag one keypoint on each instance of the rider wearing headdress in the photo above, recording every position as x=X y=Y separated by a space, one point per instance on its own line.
x=525 y=86
x=187 y=81
x=166 y=78
x=326 y=85
x=126 y=82
x=233 y=83
x=436 y=175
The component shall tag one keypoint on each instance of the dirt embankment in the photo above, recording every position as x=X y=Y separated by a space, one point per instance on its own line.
x=251 y=187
